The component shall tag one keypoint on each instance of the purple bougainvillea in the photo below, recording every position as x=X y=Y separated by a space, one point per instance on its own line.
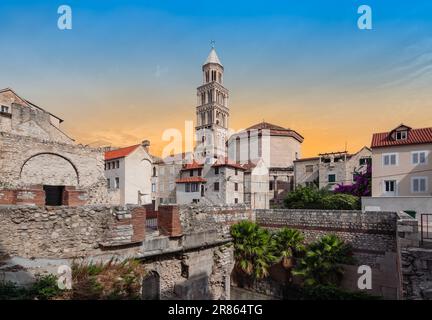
x=361 y=186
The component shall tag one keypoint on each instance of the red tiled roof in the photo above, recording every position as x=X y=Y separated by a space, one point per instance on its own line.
x=192 y=166
x=227 y=163
x=276 y=130
x=190 y=179
x=120 y=153
x=415 y=136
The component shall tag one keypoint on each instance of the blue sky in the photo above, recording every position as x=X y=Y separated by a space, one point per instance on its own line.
x=129 y=62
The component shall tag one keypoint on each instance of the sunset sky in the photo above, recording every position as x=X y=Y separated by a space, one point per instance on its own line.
x=128 y=70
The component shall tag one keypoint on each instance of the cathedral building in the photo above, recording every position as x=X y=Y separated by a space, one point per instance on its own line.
x=253 y=166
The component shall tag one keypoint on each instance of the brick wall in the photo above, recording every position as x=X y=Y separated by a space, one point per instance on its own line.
x=169 y=220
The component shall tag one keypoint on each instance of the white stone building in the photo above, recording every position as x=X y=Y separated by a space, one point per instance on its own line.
x=276 y=147
x=330 y=169
x=214 y=184
x=128 y=173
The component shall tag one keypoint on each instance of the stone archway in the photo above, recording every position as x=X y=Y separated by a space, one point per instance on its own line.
x=151 y=286
x=49 y=169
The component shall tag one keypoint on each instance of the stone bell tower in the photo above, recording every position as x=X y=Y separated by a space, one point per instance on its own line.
x=212 y=110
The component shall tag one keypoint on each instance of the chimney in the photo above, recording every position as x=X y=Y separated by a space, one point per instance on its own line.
x=146 y=145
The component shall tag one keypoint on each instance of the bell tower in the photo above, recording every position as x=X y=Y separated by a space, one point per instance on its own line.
x=212 y=110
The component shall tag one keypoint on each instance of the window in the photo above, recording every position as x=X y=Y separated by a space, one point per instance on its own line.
x=235 y=200
x=199 y=172
x=109 y=165
x=154 y=171
x=309 y=168
x=236 y=186
x=118 y=164
x=4 y=109
x=390 y=186
x=419 y=157
x=419 y=184
x=117 y=183
x=332 y=178
x=191 y=173
x=194 y=187
x=216 y=170
x=108 y=183
x=270 y=185
x=153 y=187
x=236 y=171
x=390 y=159
x=365 y=161
x=191 y=187
x=216 y=186
x=401 y=135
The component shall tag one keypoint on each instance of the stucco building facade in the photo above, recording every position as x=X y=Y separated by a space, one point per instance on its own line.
x=128 y=174
x=330 y=169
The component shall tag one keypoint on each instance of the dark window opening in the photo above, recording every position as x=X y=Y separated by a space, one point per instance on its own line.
x=216 y=186
x=151 y=286
x=53 y=195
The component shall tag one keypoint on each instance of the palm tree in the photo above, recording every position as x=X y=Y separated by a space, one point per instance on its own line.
x=289 y=244
x=321 y=264
x=253 y=249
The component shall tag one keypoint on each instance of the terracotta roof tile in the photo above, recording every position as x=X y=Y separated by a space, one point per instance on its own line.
x=415 y=136
x=228 y=163
x=192 y=166
x=120 y=153
x=190 y=179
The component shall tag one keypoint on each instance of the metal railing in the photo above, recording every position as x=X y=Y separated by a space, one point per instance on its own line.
x=426 y=227
x=152 y=223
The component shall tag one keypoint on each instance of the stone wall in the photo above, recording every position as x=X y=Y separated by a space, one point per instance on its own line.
x=68 y=232
x=190 y=251
x=415 y=259
x=372 y=235
x=28 y=161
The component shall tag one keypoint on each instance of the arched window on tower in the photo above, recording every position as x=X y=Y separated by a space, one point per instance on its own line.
x=203 y=122
x=220 y=78
x=209 y=117
x=207 y=76
x=203 y=96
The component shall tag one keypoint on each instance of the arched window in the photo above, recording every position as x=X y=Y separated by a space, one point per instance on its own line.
x=154 y=171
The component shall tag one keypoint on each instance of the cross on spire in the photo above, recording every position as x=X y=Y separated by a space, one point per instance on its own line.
x=212 y=44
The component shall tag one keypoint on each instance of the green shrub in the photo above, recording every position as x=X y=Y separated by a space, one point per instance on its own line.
x=313 y=198
x=110 y=280
x=45 y=287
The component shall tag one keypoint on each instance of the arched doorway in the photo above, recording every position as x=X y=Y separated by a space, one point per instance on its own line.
x=151 y=286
